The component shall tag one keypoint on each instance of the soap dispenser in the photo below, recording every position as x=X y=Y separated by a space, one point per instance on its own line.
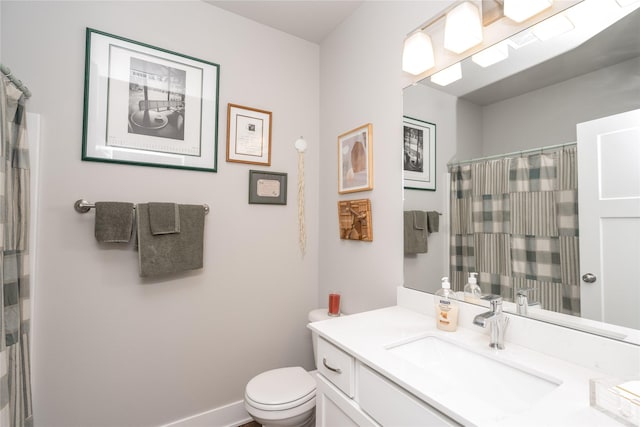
x=472 y=292
x=446 y=307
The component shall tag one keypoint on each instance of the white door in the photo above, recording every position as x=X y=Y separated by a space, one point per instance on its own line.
x=609 y=212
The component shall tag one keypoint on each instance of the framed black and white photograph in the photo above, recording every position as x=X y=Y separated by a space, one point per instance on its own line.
x=419 y=154
x=267 y=187
x=248 y=135
x=148 y=106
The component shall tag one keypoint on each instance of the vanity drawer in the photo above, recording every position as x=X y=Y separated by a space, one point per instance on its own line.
x=390 y=405
x=337 y=366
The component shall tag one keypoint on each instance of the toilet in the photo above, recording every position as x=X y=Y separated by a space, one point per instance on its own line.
x=285 y=396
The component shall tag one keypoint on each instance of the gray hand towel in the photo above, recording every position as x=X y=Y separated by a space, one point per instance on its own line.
x=165 y=254
x=164 y=218
x=433 y=221
x=415 y=232
x=114 y=222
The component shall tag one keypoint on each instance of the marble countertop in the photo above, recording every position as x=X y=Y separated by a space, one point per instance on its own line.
x=368 y=335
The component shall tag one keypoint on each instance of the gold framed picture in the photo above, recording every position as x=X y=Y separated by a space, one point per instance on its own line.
x=355 y=160
x=248 y=135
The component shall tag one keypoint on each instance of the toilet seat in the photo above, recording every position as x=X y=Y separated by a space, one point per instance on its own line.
x=280 y=389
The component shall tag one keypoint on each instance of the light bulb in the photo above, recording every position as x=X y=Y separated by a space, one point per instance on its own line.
x=417 y=55
x=491 y=55
x=462 y=28
x=521 y=10
x=448 y=75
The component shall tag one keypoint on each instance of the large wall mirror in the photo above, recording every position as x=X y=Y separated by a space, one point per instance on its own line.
x=532 y=117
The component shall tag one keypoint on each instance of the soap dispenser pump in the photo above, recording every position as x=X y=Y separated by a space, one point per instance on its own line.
x=472 y=292
x=446 y=307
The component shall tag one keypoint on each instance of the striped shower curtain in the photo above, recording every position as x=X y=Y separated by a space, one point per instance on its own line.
x=514 y=220
x=15 y=301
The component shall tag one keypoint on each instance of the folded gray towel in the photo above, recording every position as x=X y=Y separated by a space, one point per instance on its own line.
x=114 y=222
x=433 y=221
x=415 y=232
x=164 y=218
x=171 y=253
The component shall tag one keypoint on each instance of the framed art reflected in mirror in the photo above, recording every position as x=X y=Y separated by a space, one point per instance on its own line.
x=419 y=164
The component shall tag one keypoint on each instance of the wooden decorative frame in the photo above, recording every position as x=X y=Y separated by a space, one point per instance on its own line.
x=355 y=160
x=248 y=135
x=419 y=170
x=354 y=217
x=148 y=106
x=267 y=188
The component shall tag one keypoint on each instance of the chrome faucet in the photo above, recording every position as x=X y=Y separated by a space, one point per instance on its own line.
x=496 y=320
x=522 y=301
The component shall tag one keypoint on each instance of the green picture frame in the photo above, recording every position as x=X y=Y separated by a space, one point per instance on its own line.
x=419 y=152
x=267 y=188
x=148 y=106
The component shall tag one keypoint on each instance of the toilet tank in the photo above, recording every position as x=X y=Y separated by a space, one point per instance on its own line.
x=315 y=316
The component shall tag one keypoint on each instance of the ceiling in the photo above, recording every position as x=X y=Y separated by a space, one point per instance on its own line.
x=311 y=20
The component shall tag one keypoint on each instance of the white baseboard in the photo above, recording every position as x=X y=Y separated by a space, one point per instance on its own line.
x=231 y=415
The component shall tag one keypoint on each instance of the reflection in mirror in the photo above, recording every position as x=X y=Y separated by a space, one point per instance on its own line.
x=522 y=114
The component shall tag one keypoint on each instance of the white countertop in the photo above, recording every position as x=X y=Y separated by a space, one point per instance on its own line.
x=367 y=336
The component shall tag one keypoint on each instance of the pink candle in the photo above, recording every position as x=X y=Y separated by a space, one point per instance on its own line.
x=334 y=304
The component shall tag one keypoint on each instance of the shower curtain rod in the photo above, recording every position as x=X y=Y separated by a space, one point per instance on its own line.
x=7 y=72
x=512 y=154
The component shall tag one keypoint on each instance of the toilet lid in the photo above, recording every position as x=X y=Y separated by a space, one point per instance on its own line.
x=281 y=389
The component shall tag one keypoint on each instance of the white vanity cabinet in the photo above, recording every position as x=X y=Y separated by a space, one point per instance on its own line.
x=350 y=393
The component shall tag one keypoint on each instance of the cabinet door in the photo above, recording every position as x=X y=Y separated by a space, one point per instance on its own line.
x=335 y=409
x=330 y=415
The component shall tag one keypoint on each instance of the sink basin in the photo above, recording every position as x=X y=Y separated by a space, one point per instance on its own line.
x=503 y=387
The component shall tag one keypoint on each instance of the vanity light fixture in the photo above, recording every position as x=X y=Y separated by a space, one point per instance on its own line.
x=521 y=10
x=551 y=27
x=417 y=55
x=462 y=28
x=448 y=75
x=492 y=55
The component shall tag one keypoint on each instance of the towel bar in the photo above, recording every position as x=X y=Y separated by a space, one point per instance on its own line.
x=82 y=206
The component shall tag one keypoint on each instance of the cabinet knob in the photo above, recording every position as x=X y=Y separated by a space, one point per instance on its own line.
x=589 y=278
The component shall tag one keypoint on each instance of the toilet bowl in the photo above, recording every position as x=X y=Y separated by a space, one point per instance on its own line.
x=284 y=397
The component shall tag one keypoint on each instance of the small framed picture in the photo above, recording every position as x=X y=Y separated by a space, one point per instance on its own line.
x=419 y=154
x=268 y=188
x=248 y=135
x=354 y=218
x=355 y=160
x=148 y=106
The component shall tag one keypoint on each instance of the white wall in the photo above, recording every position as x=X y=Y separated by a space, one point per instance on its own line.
x=361 y=82
x=115 y=350
x=548 y=116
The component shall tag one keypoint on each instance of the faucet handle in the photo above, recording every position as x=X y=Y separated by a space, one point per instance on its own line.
x=525 y=291
x=495 y=301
